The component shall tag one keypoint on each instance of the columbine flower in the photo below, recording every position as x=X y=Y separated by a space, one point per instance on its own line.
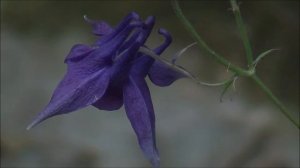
x=112 y=73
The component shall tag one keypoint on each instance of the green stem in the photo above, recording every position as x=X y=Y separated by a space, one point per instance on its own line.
x=233 y=68
x=203 y=45
x=243 y=32
x=275 y=100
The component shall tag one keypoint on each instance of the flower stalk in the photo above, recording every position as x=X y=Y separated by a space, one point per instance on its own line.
x=250 y=71
x=182 y=70
x=275 y=100
x=243 y=33
x=201 y=43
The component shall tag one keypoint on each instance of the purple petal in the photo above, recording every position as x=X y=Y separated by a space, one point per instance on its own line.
x=162 y=75
x=124 y=23
x=99 y=27
x=149 y=23
x=88 y=59
x=74 y=93
x=146 y=30
x=129 y=42
x=159 y=73
x=101 y=55
x=166 y=43
x=123 y=63
x=139 y=110
x=111 y=100
x=87 y=78
x=113 y=45
x=142 y=64
x=78 y=52
x=83 y=62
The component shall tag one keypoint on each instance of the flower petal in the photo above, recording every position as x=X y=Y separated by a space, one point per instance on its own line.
x=73 y=94
x=139 y=110
x=123 y=63
x=143 y=63
x=78 y=52
x=162 y=75
x=113 y=45
x=92 y=72
x=111 y=100
x=99 y=27
x=80 y=69
x=166 y=43
x=124 y=23
x=126 y=20
x=159 y=73
x=88 y=59
x=109 y=48
x=148 y=26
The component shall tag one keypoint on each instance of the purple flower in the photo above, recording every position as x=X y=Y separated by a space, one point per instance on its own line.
x=111 y=73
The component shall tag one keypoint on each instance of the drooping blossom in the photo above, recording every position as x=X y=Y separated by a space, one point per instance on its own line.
x=112 y=72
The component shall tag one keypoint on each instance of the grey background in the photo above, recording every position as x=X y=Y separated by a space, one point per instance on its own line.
x=193 y=128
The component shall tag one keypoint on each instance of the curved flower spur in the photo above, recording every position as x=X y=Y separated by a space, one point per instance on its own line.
x=111 y=73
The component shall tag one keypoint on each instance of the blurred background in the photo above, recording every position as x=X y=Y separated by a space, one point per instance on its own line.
x=194 y=129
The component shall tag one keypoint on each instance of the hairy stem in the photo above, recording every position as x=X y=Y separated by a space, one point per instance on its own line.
x=233 y=68
x=220 y=59
x=243 y=32
x=274 y=99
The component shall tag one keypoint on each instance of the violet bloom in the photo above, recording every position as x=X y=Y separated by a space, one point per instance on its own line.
x=112 y=73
